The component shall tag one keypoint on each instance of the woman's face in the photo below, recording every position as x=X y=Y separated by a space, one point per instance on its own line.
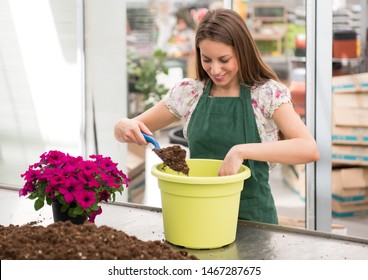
x=219 y=61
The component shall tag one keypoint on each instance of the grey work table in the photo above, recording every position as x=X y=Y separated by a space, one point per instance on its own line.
x=254 y=241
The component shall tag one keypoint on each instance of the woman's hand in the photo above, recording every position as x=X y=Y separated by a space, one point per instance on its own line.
x=129 y=131
x=232 y=162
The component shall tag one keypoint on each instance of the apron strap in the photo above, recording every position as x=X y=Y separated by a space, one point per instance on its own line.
x=249 y=114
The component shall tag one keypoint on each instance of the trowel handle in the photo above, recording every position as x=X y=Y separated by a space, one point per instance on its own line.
x=151 y=140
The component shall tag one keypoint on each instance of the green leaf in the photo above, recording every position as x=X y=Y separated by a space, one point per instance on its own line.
x=94 y=207
x=71 y=212
x=61 y=199
x=48 y=200
x=76 y=211
x=39 y=203
x=64 y=208
x=33 y=195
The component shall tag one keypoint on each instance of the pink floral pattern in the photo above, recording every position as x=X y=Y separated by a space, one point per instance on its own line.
x=183 y=97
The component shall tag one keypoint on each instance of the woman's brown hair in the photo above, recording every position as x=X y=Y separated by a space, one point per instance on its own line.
x=228 y=27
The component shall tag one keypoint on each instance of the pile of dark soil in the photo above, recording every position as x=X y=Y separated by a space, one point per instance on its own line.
x=67 y=241
x=174 y=157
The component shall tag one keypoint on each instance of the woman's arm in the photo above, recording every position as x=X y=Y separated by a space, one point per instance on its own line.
x=129 y=130
x=298 y=147
x=179 y=99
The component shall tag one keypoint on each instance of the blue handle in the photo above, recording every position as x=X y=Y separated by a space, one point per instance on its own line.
x=152 y=140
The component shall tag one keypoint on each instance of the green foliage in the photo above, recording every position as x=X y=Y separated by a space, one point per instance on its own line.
x=143 y=73
x=268 y=47
x=293 y=31
x=74 y=212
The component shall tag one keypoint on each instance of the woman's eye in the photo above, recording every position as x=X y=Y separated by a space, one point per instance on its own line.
x=221 y=60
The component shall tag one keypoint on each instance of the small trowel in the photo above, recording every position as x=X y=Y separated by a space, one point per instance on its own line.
x=173 y=156
x=151 y=140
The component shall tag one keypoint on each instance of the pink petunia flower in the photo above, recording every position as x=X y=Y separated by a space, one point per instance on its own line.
x=73 y=180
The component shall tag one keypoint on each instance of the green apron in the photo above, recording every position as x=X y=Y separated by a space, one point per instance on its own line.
x=216 y=125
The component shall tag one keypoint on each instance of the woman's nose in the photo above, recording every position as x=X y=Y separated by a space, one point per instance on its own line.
x=215 y=68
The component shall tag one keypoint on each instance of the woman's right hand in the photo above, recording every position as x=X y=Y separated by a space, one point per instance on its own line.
x=129 y=131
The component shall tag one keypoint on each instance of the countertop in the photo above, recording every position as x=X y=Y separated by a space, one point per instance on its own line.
x=254 y=241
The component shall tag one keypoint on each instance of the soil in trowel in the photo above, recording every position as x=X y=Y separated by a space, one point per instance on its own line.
x=174 y=157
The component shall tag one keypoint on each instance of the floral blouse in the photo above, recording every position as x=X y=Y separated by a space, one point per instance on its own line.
x=183 y=97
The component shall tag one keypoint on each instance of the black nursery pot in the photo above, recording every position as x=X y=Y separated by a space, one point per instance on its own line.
x=63 y=216
x=176 y=136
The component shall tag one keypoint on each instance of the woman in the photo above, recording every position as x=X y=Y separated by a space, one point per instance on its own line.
x=235 y=110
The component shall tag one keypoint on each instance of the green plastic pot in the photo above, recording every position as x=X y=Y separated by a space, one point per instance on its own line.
x=200 y=211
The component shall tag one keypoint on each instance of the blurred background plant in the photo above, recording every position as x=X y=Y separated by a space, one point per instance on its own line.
x=142 y=76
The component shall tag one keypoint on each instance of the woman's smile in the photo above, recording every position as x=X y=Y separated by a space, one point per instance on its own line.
x=218 y=78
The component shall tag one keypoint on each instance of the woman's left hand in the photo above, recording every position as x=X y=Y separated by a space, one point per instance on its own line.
x=232 y=162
